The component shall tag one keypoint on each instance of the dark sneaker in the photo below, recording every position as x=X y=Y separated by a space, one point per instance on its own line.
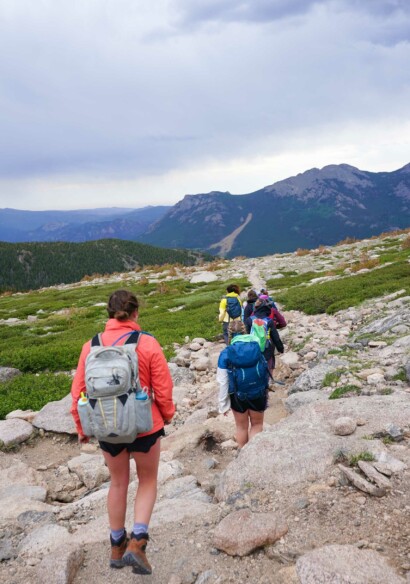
x=135 y=554
x=117 y=551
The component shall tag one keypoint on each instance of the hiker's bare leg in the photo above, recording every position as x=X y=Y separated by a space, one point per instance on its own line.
x=147 y=471
x=119 y=467
x=242 y=425
x=256 y=423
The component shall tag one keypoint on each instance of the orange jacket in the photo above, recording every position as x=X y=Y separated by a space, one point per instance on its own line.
x=153 y=370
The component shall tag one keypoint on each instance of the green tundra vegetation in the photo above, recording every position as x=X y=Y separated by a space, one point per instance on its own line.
x=49 y=344
x=390 y=272
x=30 y=266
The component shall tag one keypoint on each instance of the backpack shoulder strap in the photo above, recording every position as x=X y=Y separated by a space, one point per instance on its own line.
x=96 y=340
x=133 y=338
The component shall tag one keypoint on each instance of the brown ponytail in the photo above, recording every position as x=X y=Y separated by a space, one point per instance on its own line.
x=122 y=304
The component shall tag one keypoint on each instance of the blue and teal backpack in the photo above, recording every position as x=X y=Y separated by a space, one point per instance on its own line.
x=248 y=372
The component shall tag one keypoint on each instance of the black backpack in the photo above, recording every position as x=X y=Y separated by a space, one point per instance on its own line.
x=233 y=306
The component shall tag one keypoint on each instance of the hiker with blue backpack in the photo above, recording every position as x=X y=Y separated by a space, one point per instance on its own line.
x=122 y=395
x=243 y=379
x=230 y=309
x=262 y=325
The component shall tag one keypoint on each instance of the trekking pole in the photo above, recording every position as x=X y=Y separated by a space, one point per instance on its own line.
x=277 y=381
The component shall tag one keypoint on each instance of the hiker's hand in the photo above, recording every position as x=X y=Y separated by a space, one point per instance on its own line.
x=167 y=422
x=83 y=440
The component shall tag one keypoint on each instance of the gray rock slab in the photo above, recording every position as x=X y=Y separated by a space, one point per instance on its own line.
x=374 y=475
x=27 y=415
x=383 y=325
x=184 y=487
x=361 y=483
x=197 y=416
x=14 y=431
x=243 y=531
x=56 y=417
x=43 y=540
x=300 y=399
x=29 y=519
x=61 y=568
x=34 y=492
x=181 y=375
x=15 y=472
x=345 y=564
x=303 y=444
x=180 y=510
x=313 y=378
x=90 y=469
x=203 y=277
x=169 y=470
x=11 y=508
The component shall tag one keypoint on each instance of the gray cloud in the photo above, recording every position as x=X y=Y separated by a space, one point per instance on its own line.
x=117 y=89
x=188 y=12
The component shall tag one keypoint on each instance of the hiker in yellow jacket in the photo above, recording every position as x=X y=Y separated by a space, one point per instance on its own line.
x=230 y=308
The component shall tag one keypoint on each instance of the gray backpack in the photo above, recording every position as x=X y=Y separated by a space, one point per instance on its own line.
x=116 y=407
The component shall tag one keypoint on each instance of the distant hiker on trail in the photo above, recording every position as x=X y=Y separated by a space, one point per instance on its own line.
x=140 y=367
x=250 y=304
x=243 y=380
x=275 y=315
x=261 y=324
x=230 y=308
x=264 y=295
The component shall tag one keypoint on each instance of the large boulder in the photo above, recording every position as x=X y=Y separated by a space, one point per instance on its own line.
x=7 y=373
x=313 y=378
x=243 y=531
x=303 y=445
x=14 y=431
x=56 y=417
x=90 y=469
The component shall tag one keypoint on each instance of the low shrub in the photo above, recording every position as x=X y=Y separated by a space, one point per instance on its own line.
x=345 y=391
x=302 y=252
x=354 y=458
x=32 y=392
x=331 y=377
x=347 y=291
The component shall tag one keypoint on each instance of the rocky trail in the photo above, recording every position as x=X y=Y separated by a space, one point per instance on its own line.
x=281 y=511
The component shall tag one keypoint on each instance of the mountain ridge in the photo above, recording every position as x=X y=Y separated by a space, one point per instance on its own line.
x=319 y=206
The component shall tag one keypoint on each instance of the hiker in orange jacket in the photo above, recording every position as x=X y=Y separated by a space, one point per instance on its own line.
x=145 y=450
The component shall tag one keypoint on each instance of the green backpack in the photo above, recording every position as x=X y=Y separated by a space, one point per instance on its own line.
x=260 y=330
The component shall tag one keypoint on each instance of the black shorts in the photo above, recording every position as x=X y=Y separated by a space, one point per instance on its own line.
x=258 y=404
x=142 y=444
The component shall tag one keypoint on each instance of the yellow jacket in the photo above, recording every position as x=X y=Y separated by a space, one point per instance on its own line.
x=223 y=315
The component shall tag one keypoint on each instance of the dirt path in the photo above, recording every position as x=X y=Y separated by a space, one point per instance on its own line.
x=255 y=278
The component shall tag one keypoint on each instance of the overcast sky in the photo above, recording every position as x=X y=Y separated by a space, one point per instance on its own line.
x=137 y=102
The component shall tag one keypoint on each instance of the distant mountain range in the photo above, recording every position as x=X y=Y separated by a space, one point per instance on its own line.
x=77 y=226
x=319 y=206
x=315 y=207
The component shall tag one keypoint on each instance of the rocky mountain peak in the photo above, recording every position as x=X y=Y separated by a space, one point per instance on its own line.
x=299 y=184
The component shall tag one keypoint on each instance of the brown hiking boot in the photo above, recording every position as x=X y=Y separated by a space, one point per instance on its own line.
x=117 y=551
x=135 y=554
